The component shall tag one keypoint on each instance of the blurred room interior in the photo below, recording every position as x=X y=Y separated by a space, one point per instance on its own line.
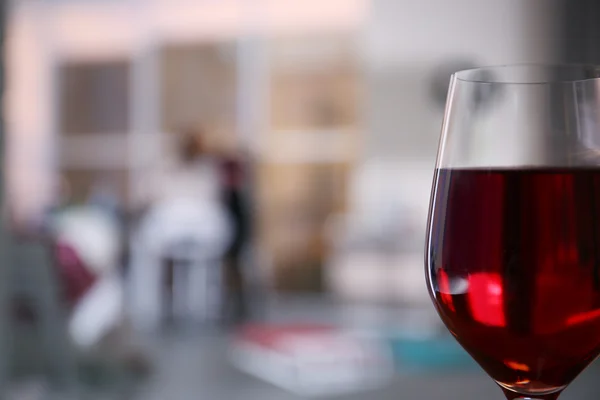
x=334 y=110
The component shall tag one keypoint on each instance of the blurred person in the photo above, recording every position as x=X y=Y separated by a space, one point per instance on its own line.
x=179 y=244
x=86 y=240
x=86 y=249
x=234 y=181
x=87 y=244
x=104 y=196
x=68 y=287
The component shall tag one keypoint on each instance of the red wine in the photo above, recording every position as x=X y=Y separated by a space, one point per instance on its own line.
x=514 y=268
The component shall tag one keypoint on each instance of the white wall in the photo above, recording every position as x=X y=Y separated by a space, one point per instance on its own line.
x=407 y=39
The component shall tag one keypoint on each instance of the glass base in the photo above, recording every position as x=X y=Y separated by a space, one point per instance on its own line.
x=511 y=395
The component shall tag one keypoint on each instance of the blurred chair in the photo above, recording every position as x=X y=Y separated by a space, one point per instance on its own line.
x=189 y=238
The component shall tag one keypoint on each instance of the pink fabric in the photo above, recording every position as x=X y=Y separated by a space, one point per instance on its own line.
x=76 y=278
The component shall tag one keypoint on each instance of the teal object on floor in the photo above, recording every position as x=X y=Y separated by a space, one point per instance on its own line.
x=440 y=353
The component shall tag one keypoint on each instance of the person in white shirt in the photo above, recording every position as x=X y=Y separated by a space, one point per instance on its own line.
x=185 y=221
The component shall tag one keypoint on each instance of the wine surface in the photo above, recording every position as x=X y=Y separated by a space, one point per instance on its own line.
x=514 y=269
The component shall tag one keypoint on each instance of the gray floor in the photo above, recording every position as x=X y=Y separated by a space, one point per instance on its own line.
x=198 y=369
x=195 y=365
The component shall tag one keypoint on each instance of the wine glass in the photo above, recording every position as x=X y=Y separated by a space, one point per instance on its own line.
x=513 y=241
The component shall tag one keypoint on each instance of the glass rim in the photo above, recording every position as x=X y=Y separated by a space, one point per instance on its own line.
x=529 y=74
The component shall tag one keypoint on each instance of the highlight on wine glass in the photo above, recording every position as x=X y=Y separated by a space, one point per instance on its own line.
x=513 y=243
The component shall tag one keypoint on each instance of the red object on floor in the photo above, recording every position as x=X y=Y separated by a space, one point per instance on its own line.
x=311 y=359
x=272 y=336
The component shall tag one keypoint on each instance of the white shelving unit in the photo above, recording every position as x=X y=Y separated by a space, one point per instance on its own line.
x=44 y=35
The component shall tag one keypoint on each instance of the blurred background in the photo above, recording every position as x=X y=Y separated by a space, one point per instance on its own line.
x=227 y=199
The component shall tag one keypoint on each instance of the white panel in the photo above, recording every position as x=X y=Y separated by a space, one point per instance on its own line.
x=29 y=119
